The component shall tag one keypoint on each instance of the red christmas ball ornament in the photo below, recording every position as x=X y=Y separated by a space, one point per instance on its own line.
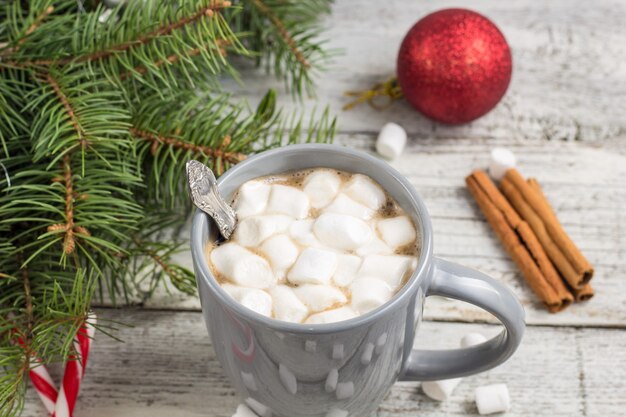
x=454 y=66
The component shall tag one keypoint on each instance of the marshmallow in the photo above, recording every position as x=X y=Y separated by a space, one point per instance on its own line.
x=391 y=141
x=364 y=190
x=343 y=232
x=253 y=230
x=244 y=411
x=345 y=205
x=242 y=267
x=390 y=268
x=288 y=379
x=251 y=198
x=442 y=390
x=281 y=252
x=287 y=307
x=492 y=398
x=397 y=231
x=288 y=200
x=502 y=160
x=472 y=339
x=347 y=267
x=321 y=187
x=369 y=294
x=319 y=297
x=374 y=247
x=331 y=316
x=253 y=298
x=301 y=231
x=313 y=266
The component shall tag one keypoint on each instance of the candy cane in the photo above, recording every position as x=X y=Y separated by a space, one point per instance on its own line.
x=40 y=378
x=75 y=369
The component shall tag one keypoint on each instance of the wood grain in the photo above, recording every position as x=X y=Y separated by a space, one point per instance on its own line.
x=166 y=367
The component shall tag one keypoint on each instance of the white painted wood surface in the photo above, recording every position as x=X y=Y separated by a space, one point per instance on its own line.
x=167 y=368
x=564 y=116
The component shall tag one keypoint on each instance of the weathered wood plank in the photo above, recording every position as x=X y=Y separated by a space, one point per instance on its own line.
x=166 y=367
x=569 y=73
x=585 y=184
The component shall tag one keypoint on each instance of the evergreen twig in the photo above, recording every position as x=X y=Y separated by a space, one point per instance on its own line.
x=206 y=150
x=97 y=121
x=285 y=35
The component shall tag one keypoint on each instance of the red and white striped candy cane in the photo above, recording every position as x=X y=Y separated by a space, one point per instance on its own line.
x=43 y=384
x=75 y=369
x=40 y=378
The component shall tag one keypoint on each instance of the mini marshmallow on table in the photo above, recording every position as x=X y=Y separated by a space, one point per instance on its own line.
x=492 y=399
x=391 y=141
x=501 y=161
x=441 y=390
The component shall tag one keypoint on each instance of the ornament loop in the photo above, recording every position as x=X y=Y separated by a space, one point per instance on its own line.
x=390 y=89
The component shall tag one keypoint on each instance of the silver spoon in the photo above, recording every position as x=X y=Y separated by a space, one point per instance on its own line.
x=206 y=196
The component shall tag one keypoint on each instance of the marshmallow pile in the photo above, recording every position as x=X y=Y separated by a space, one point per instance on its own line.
x=319 y=250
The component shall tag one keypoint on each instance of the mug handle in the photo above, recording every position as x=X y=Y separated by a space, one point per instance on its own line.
x=459 y=282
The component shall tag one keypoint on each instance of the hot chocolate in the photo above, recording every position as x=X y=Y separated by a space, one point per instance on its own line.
x=315 y=246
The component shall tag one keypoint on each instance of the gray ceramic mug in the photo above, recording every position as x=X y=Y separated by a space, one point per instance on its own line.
x=344 y=369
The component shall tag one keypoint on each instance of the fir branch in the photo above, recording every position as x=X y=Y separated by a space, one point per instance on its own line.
x=152 y=262
x=28 y=300
x=87 y=112
x=207 y=11
x=82 y=142
x=13 y=122
x=158 y=33
x=286 y=36
x=97 y=121
x=68 y=228
x=185 y=125
x=205 y=150
x=37 y=22
x=33 y=26
x=175 y=58
x=15 y=365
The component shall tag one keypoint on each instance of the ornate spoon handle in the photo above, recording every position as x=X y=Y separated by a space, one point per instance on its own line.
x=206 y=196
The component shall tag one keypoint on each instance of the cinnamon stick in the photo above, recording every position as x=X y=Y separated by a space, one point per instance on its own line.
x=549 y=247
x=586 y=292
x=520 y=242
x=571 y=263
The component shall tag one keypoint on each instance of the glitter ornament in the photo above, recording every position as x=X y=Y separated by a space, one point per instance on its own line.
x=454 y=66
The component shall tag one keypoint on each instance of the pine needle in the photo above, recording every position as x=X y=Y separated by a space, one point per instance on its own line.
x=97 y=120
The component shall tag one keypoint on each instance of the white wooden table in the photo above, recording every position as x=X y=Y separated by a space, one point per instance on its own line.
x=564 y=116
